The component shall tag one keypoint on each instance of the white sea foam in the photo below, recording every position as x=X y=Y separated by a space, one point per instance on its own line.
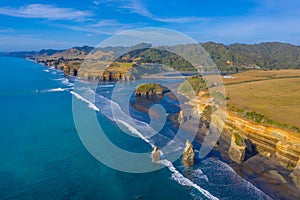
x=136 y=132
x=66 y=82
x=46 y=70
x=198 y=173
x=106 y=86
x=91 y=105
x=57 y=89
x=179 y=178
x=58 y=79
x=225 y=168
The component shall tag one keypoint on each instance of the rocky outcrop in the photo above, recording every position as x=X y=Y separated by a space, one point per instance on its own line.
x=296 y=174
x=237 y=148
x=72 y=67
x=269 y=141
x=181 y=117
x=150 y=89
x=155 y=154
x=188 y=154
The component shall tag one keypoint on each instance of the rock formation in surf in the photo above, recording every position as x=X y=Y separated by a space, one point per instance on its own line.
x=188 y=154
x=180 y=117
x=237 y=148
x=155 y=154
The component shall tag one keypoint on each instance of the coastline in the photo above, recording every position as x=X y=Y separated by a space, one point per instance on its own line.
x=256 y=169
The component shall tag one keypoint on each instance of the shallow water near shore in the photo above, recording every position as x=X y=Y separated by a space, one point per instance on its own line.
x=42 y=156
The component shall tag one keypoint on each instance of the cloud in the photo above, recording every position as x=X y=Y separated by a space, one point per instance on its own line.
x=107 y=22
x=180 y=20
x=136 y=6
x=96 y=2
x=105 y=27
x=50 y=12
x=7 y=30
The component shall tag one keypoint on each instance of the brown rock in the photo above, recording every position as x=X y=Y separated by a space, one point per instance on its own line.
x=155 y=154
x=181 y=117
x=237 y=148
x=188 y=154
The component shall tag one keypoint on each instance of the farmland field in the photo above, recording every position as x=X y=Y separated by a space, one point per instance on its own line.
x=275 y=94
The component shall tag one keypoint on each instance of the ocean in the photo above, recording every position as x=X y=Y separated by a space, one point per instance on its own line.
x=42 y=156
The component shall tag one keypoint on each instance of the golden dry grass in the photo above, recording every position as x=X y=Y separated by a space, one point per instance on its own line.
x=257 y=75
x=278 y=98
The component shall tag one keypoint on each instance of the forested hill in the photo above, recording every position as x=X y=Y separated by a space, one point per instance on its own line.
x=269 y=55
x=229 y=58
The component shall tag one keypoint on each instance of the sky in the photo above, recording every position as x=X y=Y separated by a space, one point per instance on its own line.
x=59 y=24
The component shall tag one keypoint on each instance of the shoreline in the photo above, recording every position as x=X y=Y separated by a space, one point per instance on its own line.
x=262 y=172
x=255 y=169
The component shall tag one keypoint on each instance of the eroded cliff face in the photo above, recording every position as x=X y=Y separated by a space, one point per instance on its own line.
x=72 y=67
x=269 y=141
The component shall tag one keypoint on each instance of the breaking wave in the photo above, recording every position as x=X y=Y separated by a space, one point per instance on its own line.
x=91 y=105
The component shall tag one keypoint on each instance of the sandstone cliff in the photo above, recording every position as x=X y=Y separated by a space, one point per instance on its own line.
x=93 y=70
x=269 y=141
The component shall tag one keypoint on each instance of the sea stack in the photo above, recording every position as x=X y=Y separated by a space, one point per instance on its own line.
x=188 y=154
x=155 y=154
x=180 y=117
x=237 y=148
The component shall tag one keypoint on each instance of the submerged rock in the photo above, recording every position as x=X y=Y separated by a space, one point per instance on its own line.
x=296 y=174
x=155 y=154
x=237 y=148
x=188 y=154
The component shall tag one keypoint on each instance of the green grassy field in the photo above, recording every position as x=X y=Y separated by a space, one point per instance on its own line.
x=274 y=94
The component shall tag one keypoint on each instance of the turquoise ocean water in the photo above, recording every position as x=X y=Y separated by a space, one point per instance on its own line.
x=42 y=157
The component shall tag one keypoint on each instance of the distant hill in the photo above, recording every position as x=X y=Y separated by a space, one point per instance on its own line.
x=229 y=58
x=268 y=55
